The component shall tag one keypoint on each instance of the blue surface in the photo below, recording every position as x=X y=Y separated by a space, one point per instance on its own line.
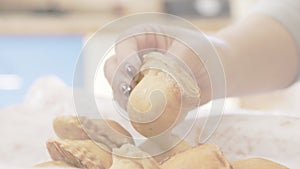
x=31 y=57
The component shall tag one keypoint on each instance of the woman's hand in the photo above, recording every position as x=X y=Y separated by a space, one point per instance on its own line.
x=185 y=44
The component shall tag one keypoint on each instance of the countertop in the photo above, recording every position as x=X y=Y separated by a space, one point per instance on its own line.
x=77 y=23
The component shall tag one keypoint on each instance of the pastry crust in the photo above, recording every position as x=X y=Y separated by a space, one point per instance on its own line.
x=180 y=147
x=107 y=132
x=80 y=153
x=60 y=164
x=206 y=156
x=154 y=108
x=256 y=163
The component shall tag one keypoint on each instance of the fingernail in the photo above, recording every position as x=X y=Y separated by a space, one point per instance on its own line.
x=131 y=70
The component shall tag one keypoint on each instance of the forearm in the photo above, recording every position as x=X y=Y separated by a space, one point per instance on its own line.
x=259 y=56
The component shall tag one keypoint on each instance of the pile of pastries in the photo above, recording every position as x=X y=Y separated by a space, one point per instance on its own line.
x=104 y=144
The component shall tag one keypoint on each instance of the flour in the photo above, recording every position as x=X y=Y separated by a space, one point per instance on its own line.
x=24 y=128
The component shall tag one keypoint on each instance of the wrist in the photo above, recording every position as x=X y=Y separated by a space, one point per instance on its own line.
x=224 y=53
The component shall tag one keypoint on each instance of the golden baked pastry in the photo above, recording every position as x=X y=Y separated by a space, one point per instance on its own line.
x=256 y=163
x=164 y=94
x=60 y=164
x=107 y=132
x=180 y=147
x=80 y=153
x=130 y=157
x=84 y=153
x=206 y=156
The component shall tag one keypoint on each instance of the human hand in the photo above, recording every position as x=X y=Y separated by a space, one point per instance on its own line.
x=185 y=44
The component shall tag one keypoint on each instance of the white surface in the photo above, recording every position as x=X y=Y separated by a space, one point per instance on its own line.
x=25 y=128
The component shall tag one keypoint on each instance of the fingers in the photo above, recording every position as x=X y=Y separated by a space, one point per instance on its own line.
x=121 y=69
x=121 y=78
x=121 y=89
x=126 y=53
x=109 y=68
x=142 y=39
x=195 y=66
x=186 y=55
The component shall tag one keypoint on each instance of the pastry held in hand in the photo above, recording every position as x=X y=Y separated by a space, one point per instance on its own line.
x=164 y=94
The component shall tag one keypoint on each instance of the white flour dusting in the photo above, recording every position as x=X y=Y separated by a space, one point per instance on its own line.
x=25 y=128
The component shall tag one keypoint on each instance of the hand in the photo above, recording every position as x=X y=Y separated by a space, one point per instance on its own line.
x=121 y=68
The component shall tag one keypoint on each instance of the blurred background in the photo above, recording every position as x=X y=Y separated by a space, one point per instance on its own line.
x=45 y=37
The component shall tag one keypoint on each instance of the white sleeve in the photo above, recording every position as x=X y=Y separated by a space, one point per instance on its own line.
x=287 y=13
